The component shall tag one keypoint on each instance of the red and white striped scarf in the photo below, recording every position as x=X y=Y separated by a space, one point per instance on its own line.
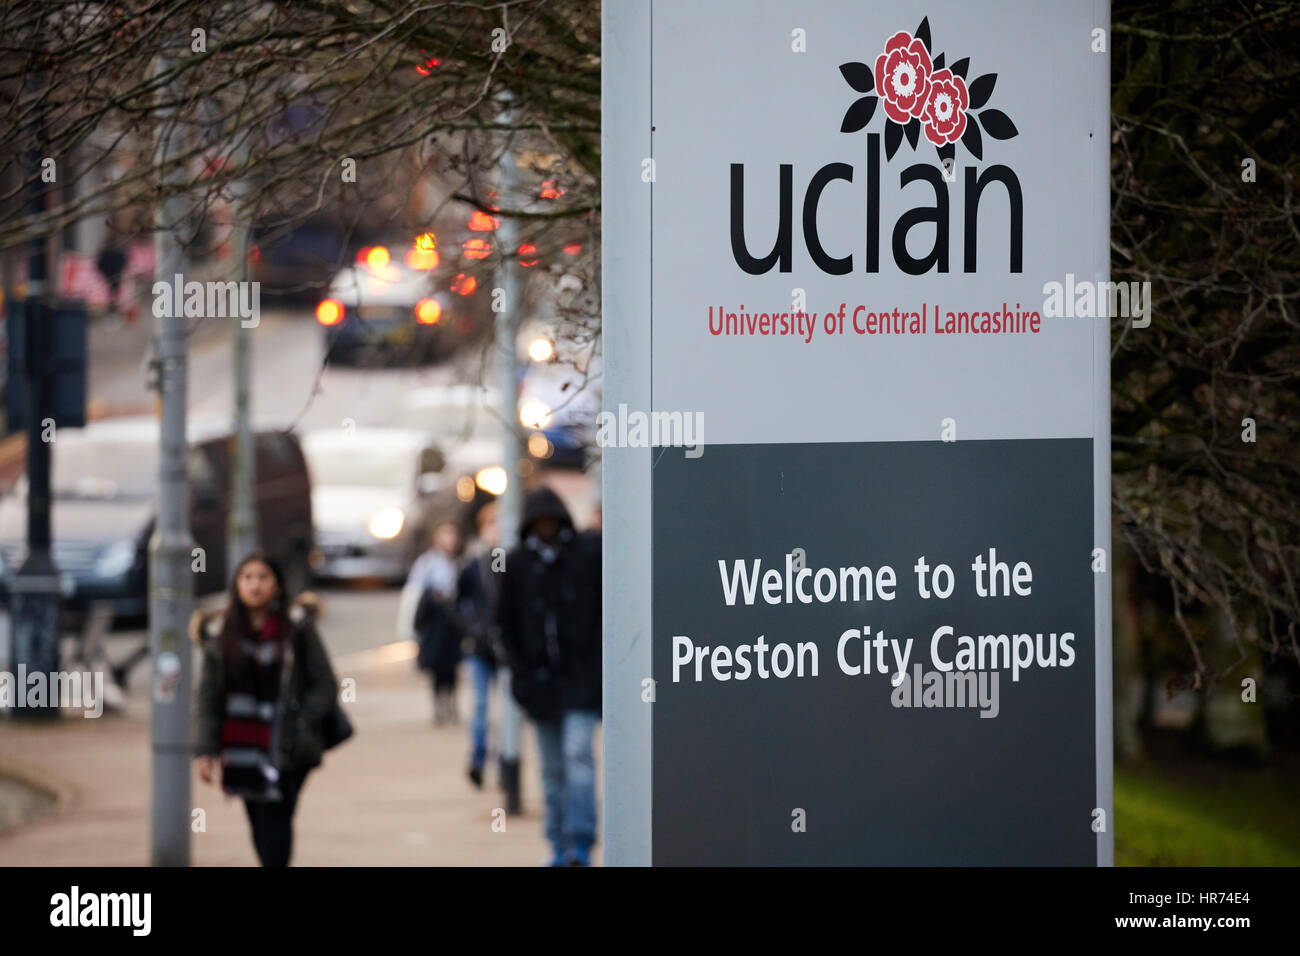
x=251 y=728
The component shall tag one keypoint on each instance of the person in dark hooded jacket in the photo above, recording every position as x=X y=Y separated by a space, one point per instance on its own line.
x=549 y=614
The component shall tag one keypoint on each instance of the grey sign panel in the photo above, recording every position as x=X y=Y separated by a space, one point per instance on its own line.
x=737 y=758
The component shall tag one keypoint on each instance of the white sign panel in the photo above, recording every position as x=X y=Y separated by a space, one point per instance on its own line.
x=857 y=432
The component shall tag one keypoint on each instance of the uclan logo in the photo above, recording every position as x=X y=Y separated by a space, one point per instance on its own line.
x=920 y=96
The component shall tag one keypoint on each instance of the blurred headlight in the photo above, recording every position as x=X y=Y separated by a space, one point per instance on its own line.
x=539 y=446
x=387 y=523
x=116 y=559
x=535 y=414
x=541 y=349
x=491 y=479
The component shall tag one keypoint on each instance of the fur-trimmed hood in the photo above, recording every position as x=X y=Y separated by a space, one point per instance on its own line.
x=305 y=608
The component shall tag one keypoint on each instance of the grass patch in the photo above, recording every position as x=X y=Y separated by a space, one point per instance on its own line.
x=1242 y=818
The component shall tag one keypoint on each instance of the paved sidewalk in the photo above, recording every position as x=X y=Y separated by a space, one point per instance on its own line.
x=395 y=794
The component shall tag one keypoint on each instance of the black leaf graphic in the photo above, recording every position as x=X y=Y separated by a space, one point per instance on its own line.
x=923 y=32
x=998 y=124
x=938 y=62
x=859 y=114
x=858 y=76
x=960 y=67
x=981 y=90
x=972 y=139
x=913 y=130
x=893 y=136
x=948 y=160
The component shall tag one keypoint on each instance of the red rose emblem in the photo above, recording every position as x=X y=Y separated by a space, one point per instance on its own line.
x=944 y=111
x=903 y=76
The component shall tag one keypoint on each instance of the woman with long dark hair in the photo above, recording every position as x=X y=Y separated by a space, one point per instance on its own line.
x=266 y=691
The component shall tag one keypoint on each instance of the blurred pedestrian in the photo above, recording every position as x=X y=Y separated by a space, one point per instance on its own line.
x=111 y=263
x=266 y=694
x=477 y=596
x=476 y=600
x=437 y=626
x=549 y=613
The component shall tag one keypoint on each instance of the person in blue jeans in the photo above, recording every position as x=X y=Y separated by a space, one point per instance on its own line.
x=569 y=782
x=549 y=616
x=477 y=589
x=476 y=597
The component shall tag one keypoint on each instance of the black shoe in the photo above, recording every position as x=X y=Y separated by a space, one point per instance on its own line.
x=510 y=784
x=476 y=777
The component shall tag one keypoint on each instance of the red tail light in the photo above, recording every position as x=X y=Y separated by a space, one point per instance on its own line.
x=329 y=312
x=428 y=312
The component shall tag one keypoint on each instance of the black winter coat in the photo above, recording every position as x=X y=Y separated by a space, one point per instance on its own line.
x=476 y=603
x=439 y=630
x=550 y=616
x=312 y=688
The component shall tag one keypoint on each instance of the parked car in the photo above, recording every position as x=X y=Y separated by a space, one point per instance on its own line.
x=104 y=482
x=373 y=495
x=390 y=310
